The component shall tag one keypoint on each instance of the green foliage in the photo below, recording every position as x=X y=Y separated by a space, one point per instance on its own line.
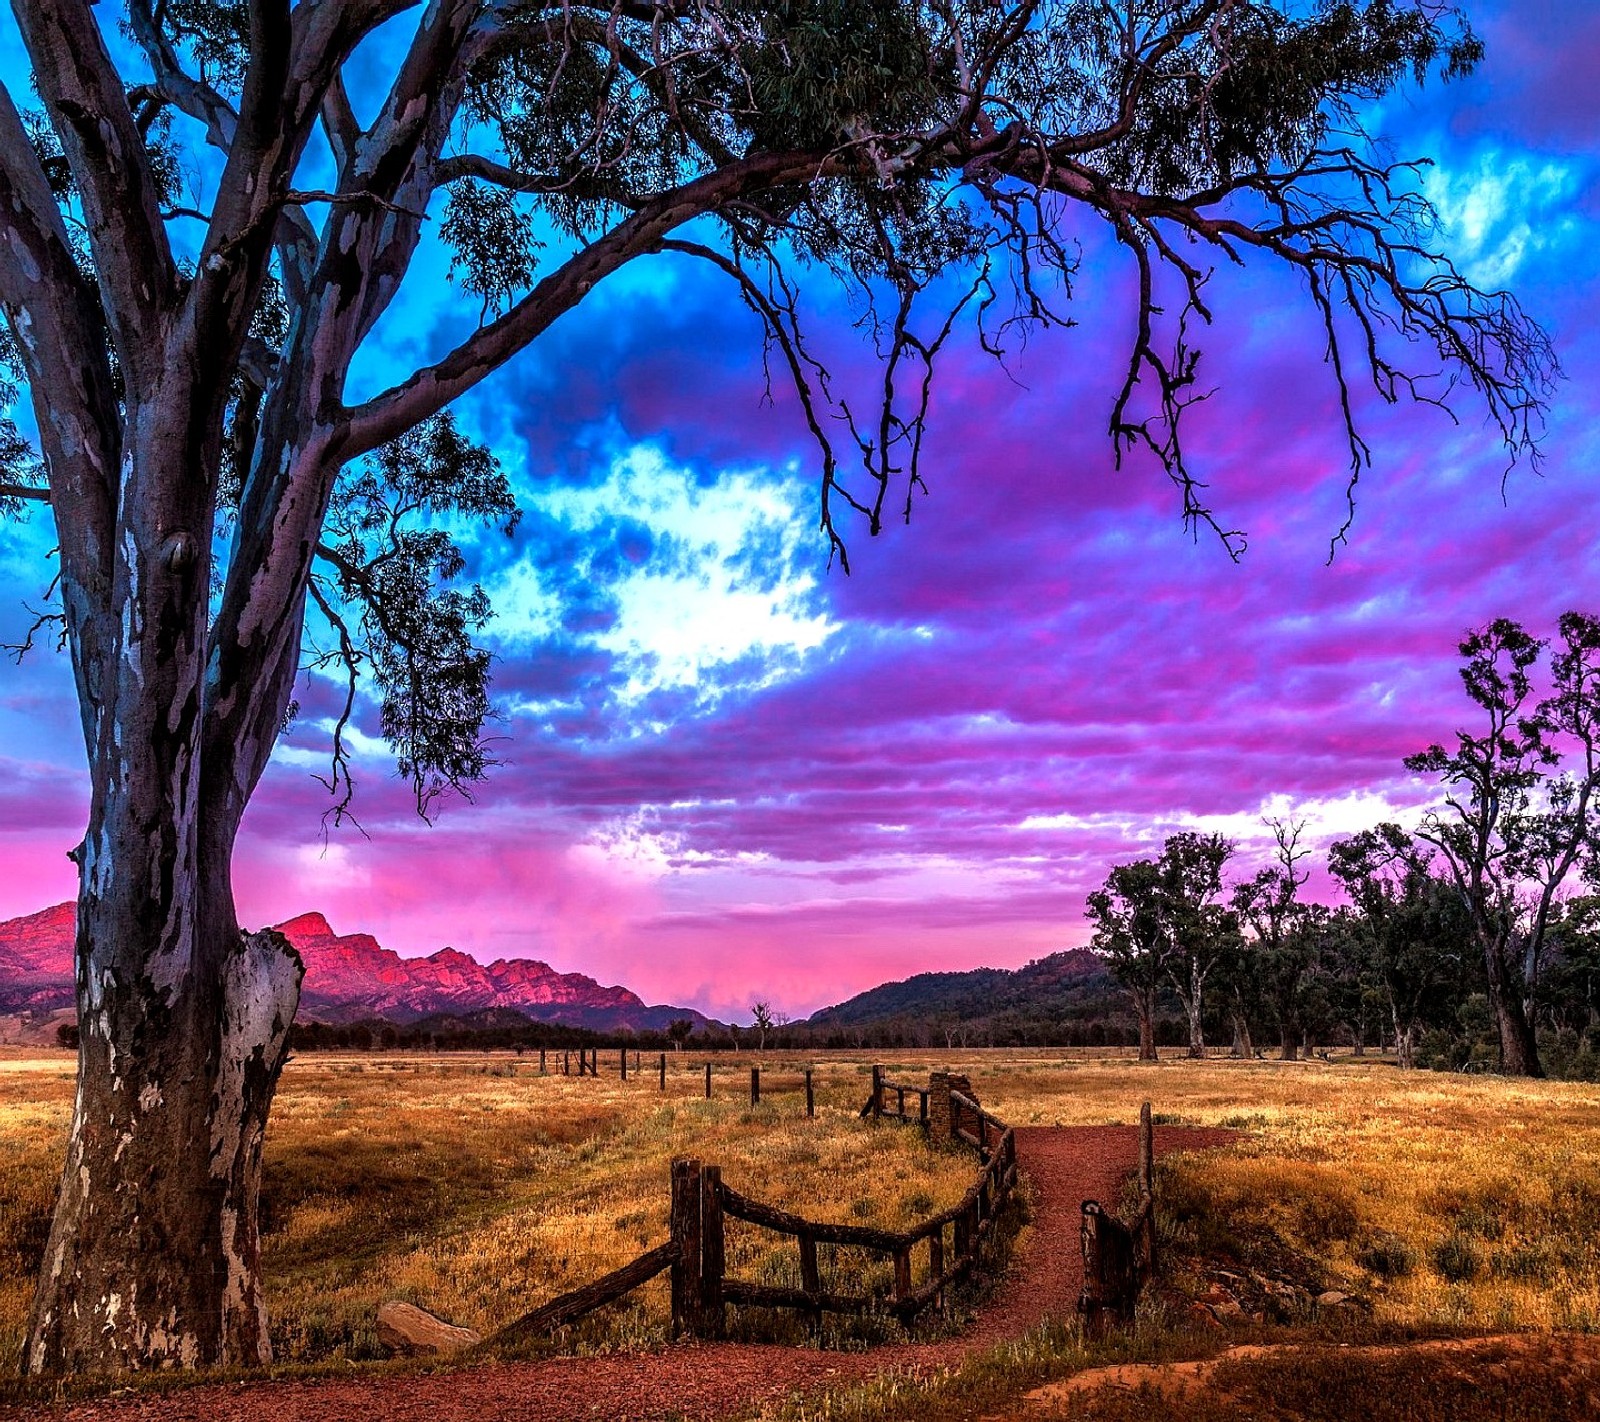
x=823 y=72
x=415 y=629
x=215 y=35
x=1261 y=87
x=937 y=140
x=493 y=243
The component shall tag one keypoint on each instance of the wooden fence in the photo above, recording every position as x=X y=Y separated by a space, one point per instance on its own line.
x=1119 y=1256
x=589 y=1065
x=696 y=1252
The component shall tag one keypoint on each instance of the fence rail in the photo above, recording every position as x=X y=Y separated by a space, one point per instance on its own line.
x=569 y=1308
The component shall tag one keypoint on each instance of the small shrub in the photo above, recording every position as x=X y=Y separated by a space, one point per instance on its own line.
x=1457 y=1259
x=1387 y=1256
x=1524 y=1261
x=1485 y=1220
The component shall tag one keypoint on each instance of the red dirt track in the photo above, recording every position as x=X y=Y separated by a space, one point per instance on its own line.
x=1067 y=1165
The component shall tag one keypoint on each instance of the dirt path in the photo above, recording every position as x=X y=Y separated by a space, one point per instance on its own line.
x=1067 y=1165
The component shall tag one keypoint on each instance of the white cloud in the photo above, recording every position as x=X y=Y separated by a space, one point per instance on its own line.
x=1499 y=211
x=1328 y=818
x=1324 y=819
x=725 y=580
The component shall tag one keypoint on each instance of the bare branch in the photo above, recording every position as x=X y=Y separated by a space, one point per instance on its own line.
x=429 y=390
x=24 y=491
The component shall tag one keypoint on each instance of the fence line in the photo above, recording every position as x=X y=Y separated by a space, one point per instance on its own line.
x=696 y=1252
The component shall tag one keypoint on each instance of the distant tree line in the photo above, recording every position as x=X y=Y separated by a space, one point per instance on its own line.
x=1472 y=940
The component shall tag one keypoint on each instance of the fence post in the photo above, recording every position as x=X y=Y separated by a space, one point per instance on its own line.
x=755 y=1086
x=636 y=1061
x=712 y=1253
x=686 y=1271
x=708 y=1081
x=811 y=1276
x=1091 y=1301
x=936 y=1263
x=902 y=1275
x=663 y=1071
x=541 y=1061
x=900 y=1102
x=877 y=1091
x=941 y=1109
x=811 y=1100
x=624 y=1056
x=566 y=1064
x=1147 y=1151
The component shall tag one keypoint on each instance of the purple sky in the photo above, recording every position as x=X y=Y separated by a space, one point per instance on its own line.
x=732 y=773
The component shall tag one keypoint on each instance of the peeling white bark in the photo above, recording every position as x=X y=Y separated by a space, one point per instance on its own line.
x=261 y=989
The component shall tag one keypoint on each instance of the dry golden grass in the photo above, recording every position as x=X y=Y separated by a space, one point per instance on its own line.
x=1447 y=1200
x=479 y=1190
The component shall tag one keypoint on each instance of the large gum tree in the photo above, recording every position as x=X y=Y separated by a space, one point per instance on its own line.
x=207 y=206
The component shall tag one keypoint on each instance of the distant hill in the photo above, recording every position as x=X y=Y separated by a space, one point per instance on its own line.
x=36 y=961
x=352 y=977
x=1002 y=1002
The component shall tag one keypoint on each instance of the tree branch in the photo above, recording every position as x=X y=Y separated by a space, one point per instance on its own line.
x=24 y=491
x=105 y=151
x=429 y=390
x=55 y=319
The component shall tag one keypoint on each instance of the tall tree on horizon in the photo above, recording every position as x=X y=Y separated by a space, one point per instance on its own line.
x=1131 y=934
x=1520 y=805
x=1284 y=941
x=1411 y=923
x=1201 y=931
x=222 y=500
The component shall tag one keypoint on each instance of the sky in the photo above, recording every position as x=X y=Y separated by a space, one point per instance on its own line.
x=730 y=771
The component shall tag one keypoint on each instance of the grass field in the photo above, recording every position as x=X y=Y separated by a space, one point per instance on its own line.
x=478 y=1189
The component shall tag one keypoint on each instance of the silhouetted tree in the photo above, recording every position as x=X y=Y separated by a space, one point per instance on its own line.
x=1285 y=944
x=762 y=1021
x=1201 y=933
x=1411 y=924
x=1130 y=931
x=1515 y=824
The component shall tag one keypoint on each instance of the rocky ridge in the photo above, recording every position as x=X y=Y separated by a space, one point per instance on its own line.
x=353 y=976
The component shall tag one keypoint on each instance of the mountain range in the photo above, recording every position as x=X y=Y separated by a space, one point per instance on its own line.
x=352 y=976
x=1031 y=1001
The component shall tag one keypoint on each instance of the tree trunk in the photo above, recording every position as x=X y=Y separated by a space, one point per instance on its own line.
x=1194 y=1005
x=1519 y=1048
x=1197 y=1036
x=1147 y=1029
x=1288 y=1044
x=1243 y=1047
x=153 y=1255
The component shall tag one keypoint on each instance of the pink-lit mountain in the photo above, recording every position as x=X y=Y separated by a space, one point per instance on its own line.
x=353 y=976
